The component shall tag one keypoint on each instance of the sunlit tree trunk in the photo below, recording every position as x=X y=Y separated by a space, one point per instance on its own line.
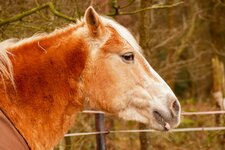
x=218 y=93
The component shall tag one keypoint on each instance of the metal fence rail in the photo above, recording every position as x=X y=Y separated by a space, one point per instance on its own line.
x=182 y=113
x=203 y=113
x=146 y=130
x=101 y=132
x=150 y=130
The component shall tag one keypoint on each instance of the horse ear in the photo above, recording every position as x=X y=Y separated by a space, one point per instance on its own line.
x=92 y=20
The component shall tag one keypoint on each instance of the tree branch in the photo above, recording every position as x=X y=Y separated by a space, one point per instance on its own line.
x=23 y=14
x=157 y=6
x=122 y=7
x=57 y=13
x=186 y=38
x=115 y=7
x=49 y=5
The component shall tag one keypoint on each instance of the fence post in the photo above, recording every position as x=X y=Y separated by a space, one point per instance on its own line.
x=99 y=125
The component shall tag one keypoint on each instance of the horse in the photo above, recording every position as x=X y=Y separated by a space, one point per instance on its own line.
x=94 y=63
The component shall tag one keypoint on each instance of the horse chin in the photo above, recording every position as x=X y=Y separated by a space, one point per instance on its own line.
x=132 y=114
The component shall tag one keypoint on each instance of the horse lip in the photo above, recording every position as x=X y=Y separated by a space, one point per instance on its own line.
x=158 y=117
x=167 y=126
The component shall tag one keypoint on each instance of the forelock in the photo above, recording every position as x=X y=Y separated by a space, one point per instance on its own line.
x=122 y=31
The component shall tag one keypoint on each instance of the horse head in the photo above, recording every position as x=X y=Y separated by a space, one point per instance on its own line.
x=119 y=80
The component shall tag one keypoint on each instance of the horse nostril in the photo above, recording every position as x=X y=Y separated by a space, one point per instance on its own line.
x=175 y=108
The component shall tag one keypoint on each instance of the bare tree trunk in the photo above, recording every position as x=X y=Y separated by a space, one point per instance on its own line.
x=144 y=138
x=144 y=30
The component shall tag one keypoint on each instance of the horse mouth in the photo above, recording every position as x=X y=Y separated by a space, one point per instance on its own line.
x=158 y=117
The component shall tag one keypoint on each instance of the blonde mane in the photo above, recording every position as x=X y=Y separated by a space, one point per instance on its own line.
x=123 y=32
x=6 y=68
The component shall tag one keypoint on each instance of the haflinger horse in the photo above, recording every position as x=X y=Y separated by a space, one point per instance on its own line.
x=48 y=78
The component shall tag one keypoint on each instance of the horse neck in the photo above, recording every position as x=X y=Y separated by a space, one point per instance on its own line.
x=47 y=75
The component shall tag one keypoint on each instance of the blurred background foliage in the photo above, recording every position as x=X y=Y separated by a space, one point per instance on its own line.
x=185 y=44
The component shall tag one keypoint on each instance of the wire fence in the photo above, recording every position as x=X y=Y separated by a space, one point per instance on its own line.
x=182 y=113
x=146 y=130
x=150 y=130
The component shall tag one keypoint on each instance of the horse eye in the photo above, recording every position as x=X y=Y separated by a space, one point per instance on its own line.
x=128 y=57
